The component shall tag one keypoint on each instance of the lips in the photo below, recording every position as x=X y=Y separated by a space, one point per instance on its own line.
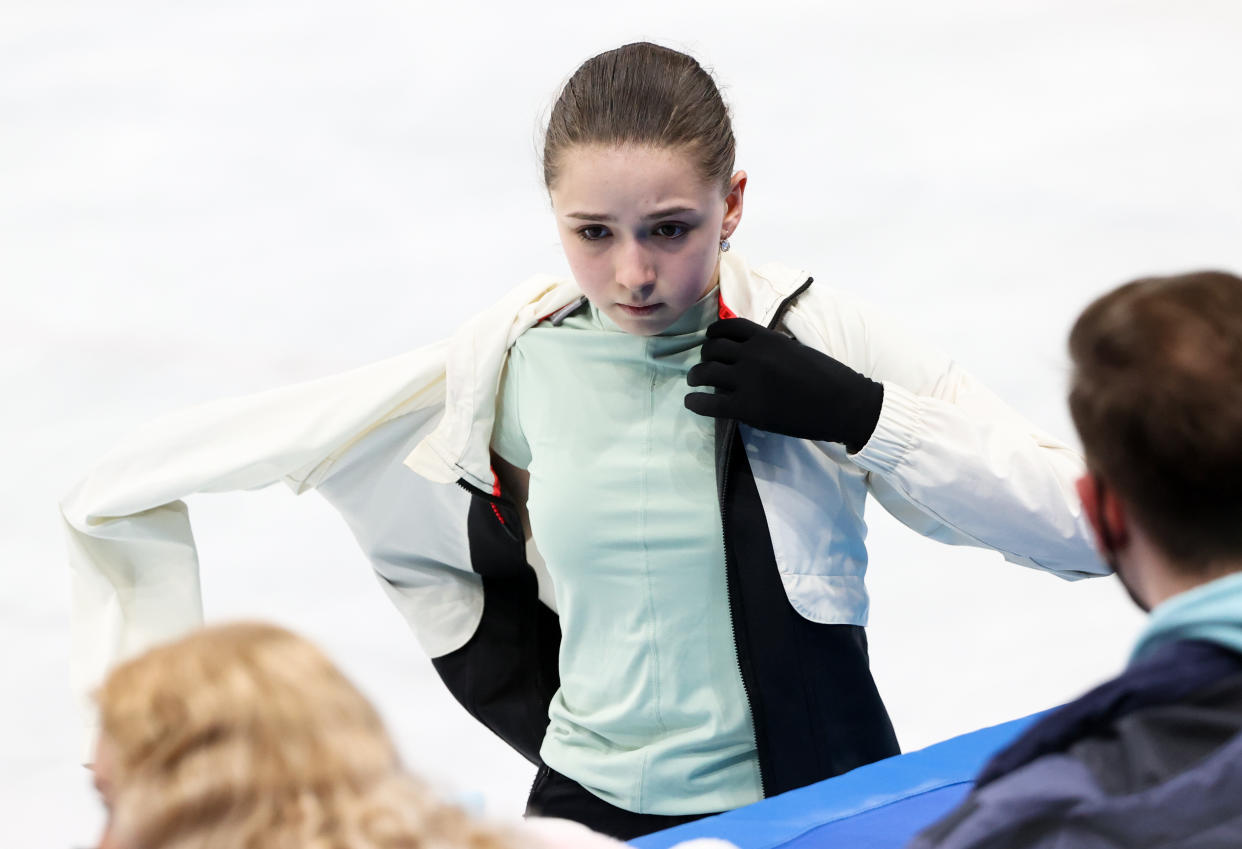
x=646 y=309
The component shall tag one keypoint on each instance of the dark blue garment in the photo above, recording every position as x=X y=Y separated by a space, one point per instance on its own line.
x=1168 y=675
x=1149 y=760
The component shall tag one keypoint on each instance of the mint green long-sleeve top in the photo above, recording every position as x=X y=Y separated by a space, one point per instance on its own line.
x=651 y=715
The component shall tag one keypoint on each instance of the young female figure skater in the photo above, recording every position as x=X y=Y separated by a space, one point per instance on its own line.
x=634 y=554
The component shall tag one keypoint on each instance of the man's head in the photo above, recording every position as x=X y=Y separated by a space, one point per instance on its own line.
x=1157 y=400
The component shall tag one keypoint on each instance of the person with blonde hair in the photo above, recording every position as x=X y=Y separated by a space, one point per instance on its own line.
x=247 y=735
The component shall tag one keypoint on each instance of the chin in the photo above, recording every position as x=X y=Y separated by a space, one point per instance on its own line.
x=642 y=329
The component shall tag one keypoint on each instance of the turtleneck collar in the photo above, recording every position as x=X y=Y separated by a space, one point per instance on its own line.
x=1210 y=612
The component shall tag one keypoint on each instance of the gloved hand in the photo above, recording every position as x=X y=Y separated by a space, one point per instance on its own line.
x=772 y=382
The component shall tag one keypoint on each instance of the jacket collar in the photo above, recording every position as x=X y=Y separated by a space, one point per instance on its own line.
x=757 y=293
x=1210 y=612
x=459 y=449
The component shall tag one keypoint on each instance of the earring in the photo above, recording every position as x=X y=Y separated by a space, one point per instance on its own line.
x=724 y=246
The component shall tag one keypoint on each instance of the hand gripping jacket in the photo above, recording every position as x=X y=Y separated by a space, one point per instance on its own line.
x=947 y=458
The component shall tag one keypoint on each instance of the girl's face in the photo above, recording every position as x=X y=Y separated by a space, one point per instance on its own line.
x=641 y=230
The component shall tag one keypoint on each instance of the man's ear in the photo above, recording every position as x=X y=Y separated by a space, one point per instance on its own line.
x=1105 y=512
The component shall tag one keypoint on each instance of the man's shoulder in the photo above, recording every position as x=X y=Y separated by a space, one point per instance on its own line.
x=1156 y=743
x=1157 y=750
x=1059 y=800
x=1179 y=674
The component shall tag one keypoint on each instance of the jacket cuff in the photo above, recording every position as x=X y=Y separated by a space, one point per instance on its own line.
x=895 y=434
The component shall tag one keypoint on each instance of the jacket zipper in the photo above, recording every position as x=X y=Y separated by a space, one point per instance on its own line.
x=730 y=433
x=730 y=581
x=496 y=502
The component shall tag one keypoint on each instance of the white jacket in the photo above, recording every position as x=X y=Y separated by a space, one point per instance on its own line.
x=947 y=458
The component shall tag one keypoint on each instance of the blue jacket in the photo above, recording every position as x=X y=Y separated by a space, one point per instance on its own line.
x=1150 y=759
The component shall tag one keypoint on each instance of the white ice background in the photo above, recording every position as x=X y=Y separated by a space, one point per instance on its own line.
x=204 y=199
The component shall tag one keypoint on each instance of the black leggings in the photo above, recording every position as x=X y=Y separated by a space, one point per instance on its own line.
x=554 y=795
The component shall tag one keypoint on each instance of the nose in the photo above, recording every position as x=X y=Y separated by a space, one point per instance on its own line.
x=635 y=269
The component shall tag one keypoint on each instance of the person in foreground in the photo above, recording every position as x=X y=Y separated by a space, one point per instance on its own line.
x=1152 y=758
x=247 y=735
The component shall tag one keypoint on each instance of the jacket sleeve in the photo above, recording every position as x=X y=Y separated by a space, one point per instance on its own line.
x=131 y=550
x=948 y=458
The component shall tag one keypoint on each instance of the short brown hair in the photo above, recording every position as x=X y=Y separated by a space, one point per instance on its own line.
x=1157 y=399
x=643 y=94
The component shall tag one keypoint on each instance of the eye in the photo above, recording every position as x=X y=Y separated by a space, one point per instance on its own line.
x=592 y=232
x=671 y=230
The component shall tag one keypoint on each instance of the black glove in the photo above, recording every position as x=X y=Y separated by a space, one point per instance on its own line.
x=772 y=382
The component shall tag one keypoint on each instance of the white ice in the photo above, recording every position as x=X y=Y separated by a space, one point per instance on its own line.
x=215 y=198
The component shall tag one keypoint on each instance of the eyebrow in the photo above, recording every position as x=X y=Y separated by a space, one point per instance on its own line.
x=659 y=213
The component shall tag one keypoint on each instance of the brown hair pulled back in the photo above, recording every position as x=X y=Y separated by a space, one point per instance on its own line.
x=642 y=94
x=1157 y=399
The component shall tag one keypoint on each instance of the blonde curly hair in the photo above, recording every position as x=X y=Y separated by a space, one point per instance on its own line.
x=247 y=737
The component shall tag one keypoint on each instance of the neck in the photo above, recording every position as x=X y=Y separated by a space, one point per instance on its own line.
x=1157 y=577
x=1162 y=585
x=714 y=281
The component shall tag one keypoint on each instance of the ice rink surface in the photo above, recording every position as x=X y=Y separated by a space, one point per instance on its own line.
x=199 y=200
